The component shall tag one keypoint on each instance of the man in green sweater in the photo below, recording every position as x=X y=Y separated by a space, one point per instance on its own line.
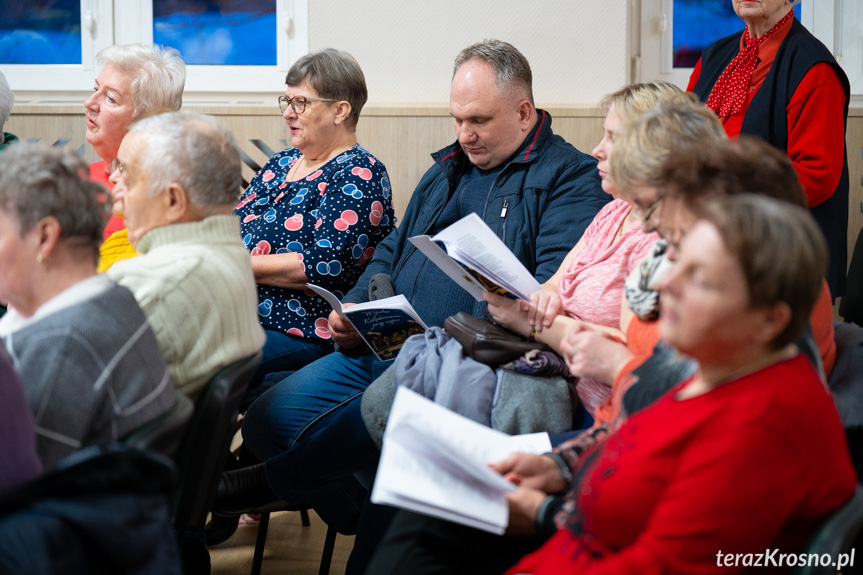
x=177 y=180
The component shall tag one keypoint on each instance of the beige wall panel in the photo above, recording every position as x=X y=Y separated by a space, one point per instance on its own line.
x=400 y=136
x=583 y=132
x=50 y=124
x=404 y=145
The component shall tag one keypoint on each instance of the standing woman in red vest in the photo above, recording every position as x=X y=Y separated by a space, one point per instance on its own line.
x=777 y=81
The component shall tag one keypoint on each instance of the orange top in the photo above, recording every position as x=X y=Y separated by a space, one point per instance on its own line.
x=821 y=320
x=641 y=338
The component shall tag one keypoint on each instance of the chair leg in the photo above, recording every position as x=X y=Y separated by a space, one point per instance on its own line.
x=304 y=517
x=260 y=544
x=327 y=555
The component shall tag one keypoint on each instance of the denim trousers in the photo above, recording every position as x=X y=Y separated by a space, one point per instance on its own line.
x=300 y=403
x=308 y=430
x=283 y=352
x=336 y=447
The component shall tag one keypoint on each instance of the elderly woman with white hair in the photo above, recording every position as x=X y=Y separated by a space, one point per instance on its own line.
x=90 y=375
x=135 y=81
x=7 y=98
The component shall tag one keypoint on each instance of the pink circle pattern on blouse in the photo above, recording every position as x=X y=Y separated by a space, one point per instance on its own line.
x=332 y=219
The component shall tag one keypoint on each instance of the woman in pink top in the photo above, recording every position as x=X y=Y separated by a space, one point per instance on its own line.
x=588 y=287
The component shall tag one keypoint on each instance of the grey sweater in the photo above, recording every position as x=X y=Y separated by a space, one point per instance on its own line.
x=92 y=372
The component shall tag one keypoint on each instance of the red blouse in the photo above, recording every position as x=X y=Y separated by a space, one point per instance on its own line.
x=756 y=464
x=98 y=174
x=816 y=125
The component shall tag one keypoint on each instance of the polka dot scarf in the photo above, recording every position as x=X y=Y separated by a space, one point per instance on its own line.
x=729 y=93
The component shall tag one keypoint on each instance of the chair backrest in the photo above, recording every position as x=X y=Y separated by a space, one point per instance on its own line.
x=208 y=438
x=838 y=536
x=165 y=433
x=851 y=306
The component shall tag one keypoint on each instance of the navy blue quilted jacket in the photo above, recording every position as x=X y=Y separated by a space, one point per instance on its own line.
x=551 y=192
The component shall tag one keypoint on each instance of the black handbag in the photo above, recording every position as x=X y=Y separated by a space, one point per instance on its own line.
x=487 y=342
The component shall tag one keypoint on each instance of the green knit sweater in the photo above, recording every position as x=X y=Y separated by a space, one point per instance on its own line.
x=194 y=282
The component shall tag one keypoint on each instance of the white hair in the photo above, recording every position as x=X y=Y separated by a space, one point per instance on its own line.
x=195 y=152
x=158 y=75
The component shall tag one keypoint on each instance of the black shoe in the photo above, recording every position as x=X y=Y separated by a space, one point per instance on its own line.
x=246 y=491
x=219 y=529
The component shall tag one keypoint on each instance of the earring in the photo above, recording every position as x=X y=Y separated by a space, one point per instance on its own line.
x=39 y=259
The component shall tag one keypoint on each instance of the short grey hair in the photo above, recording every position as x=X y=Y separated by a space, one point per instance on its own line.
x=193 y=151
x=158 y=75
x=335 y=75
x=511 y=69
x=39 y=181
x=7 y=98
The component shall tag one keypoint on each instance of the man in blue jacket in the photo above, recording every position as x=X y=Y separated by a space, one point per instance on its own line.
x=533 y=189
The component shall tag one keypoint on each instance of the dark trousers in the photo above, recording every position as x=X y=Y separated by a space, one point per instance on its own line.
x=422 y=545
x=318 y=470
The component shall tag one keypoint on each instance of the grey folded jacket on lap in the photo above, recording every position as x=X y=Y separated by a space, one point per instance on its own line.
x=434 y=365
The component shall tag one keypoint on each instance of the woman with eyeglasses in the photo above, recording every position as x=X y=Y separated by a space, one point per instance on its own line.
x=587 y=290
x=315 y=212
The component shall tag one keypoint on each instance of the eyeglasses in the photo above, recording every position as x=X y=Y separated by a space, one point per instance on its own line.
x=645 y=215
x=298 y=103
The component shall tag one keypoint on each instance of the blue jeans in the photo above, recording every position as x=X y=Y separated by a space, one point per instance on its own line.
x=319 y=469
x=337 y=446
x=283 y=352
x=309 y=431
x=276 y=419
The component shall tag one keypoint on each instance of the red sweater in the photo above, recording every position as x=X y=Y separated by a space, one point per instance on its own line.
x=98 y=174
x=756 y=464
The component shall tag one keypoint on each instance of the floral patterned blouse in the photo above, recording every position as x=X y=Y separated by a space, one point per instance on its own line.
x=333 y=219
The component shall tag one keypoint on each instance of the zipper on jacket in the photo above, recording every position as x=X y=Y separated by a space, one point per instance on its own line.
x=503 y=211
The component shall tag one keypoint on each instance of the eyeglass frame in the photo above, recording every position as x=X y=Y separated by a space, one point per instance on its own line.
x=645 y=215
x=305 y=99
x=646 y=225
x=117 y=165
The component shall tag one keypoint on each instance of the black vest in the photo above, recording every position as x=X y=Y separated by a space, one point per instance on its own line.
x=766 y=118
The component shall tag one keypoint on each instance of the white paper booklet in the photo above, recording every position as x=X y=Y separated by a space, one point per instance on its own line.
x=383 y=324
x=435 y=462
x=476 y=259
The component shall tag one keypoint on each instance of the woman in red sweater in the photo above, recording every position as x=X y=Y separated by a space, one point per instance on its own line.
x=777 y=81
x=703 y=472
x=135 y=81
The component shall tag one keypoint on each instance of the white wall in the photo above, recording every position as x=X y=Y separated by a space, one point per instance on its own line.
x=576 y=48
